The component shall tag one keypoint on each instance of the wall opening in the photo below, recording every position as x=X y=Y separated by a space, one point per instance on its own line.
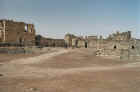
x=133 y=47
x=26 y=28
x=85 y=44
x=115 y=47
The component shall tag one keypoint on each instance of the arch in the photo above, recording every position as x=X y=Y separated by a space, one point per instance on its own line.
x=86 y=44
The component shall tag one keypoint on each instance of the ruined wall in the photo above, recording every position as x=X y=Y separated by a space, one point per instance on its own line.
x=1 y=31
x=74 y=42
x=59 y=42
x=92 y=38
x=124 y=36
x=81 y=43
x=126 y=50
x=138 y=46
x=91 y=41
x=18 y=32
x=113 y=45
x=49 y=42
x=68 y=39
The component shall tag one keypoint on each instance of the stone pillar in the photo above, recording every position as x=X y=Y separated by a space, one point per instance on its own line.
x=4 y=33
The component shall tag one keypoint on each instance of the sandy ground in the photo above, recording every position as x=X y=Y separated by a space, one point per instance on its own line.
x=69 y=70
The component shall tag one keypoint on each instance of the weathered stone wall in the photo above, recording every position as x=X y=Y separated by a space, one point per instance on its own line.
x=74 y=42
x=125 y=50
x=130 y=54
x=113 y=45
x=68 y=39
x=59 y=42
x=124 y=36
x=18 y=32
x=119 y=44
x=92 y=43
x=49 y=42
x=138 y=46
x=81 y=43
x=1 y=30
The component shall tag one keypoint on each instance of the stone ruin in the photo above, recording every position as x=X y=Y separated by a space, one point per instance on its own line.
x=16 y=33
x=49 y=42
x=117 y=44
x=75 y=41
x=15 y=36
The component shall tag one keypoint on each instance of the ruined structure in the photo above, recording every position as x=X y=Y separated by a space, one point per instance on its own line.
x=119 y=44
x=20 y=33
x=124 y=36
x=79 y=42
x=117 y=41
x=49 y=42
x=69 y=38
x=75 y=41
x=91 y=41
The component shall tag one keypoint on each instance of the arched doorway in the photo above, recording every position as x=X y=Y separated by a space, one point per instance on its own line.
x=86 y=44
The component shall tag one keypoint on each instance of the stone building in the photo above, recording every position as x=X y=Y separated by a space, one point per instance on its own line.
x=13 y=32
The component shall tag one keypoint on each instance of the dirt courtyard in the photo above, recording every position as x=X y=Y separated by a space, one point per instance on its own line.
x=69 y=70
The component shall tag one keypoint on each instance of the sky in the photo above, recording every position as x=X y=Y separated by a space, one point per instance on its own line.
x=55 y=18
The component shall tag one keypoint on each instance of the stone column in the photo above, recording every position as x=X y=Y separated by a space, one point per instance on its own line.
x=4 y=28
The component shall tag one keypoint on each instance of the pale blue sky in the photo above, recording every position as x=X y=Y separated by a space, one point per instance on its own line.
x=55 y=18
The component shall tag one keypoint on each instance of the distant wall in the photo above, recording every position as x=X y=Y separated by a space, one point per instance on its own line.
x=49 y=42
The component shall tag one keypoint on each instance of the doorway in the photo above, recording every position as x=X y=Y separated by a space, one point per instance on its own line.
x=86 y=44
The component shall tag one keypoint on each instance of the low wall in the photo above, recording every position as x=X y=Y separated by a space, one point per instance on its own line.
x=27 y=50
x=18 y=50
x=12 y=50
x=124 y=54
x=130 y=54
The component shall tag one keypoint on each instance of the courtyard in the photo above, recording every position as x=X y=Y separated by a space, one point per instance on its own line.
x=68 y=70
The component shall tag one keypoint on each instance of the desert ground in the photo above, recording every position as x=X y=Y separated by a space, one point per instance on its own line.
x=68 y=70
